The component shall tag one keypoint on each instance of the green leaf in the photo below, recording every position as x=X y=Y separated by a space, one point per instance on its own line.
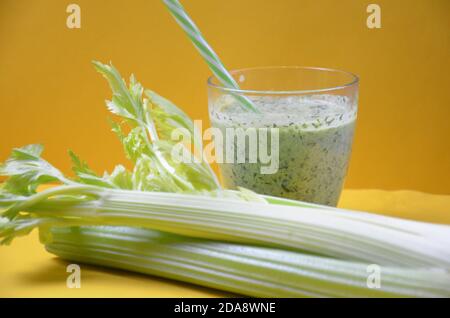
x=79 y=166
x=86 y=175
x=121 y=178
x=152 y=121
x=124 y=103
x=134 y=143
x=28 y=152
x=197 y=174
x=149 y=175
x=27 y=170
x=167 y=116
x=19 y=227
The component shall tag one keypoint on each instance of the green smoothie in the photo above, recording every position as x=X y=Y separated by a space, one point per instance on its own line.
x=315 y=139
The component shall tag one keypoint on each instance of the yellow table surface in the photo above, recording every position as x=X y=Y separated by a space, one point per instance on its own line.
x=27 y=270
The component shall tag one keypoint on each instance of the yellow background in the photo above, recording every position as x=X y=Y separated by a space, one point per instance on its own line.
x=49 y=92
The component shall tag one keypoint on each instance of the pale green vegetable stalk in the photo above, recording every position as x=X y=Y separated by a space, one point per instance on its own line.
x=230 y=216
x=242 y=269
x=186 y=199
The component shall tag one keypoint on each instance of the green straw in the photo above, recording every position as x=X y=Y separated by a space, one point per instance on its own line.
x=211 y=58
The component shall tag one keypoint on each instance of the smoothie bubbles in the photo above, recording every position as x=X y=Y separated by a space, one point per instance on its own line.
x=311 y=110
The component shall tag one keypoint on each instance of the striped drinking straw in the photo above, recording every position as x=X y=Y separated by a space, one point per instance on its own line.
x=211 y=58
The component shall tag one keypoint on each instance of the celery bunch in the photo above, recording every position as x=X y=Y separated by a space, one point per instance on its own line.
x=186 y=199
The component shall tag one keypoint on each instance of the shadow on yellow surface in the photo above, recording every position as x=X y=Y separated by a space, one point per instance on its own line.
x=54 y=271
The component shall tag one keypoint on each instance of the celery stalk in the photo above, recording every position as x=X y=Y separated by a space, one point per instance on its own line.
x=323 y=231
x=247 y=270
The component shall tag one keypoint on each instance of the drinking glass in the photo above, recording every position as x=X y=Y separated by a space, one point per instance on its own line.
x=313 y=111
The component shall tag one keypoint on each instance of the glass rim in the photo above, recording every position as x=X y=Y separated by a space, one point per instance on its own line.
x=354 y=79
